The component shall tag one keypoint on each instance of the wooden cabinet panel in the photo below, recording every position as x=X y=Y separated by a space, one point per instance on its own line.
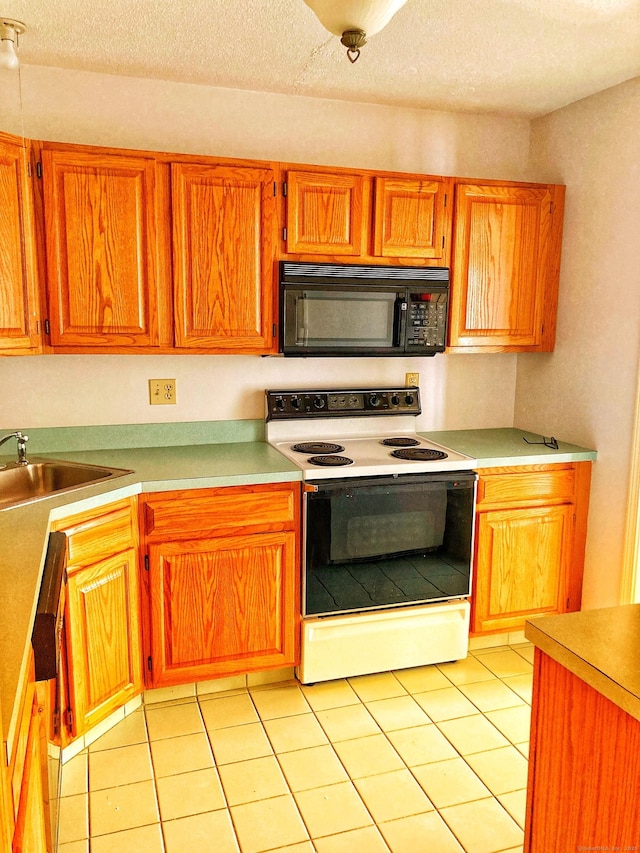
x=90 y=536
x=31 y=827
x=583 y=773
x=522 y=561
x=324 y=213
x=100 y=228
x=19 y=311
x=224 y=254
x=103 y=633
x=411 y=218
x=542 y=484
x=505 y=266
x=221 y=606
x=223 y=510
x=529 y=543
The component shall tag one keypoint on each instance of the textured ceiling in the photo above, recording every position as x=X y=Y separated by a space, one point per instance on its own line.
x=512 y=57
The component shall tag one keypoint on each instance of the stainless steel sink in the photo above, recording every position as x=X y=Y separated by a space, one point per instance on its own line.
x=41 y=478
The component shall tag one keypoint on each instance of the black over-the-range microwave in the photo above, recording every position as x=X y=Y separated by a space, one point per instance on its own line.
x=351 y=310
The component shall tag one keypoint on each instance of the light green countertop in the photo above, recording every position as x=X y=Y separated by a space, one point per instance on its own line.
x=494 y=448
x=601 y=647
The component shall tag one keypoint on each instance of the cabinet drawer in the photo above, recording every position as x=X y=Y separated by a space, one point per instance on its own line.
x=227 y=509
x=530 y=484
x=99 y=532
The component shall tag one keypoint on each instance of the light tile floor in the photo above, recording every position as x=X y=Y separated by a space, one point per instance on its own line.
x=427 y=759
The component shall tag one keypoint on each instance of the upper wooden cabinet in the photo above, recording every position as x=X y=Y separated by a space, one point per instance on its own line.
x=324 y=213
x=100 y=228
x=19 y=307
x=411 y=218
x=372 y=217
x=506 y=261
x=224 y=250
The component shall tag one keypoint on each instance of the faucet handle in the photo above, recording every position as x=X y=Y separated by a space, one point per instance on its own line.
x=22 y=440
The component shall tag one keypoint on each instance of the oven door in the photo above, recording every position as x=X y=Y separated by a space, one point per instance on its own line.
x=383 y=542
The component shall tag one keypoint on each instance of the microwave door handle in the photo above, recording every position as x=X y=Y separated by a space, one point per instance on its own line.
x=399 y=321
x=302 y=320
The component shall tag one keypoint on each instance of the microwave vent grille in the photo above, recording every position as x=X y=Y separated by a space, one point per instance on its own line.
x=353 y=271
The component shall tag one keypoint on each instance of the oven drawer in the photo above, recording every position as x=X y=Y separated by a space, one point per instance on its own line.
x=531 y=484
x=274 y=506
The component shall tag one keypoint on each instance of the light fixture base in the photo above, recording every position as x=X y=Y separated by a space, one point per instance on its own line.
x=8 y=23
x=353 y=40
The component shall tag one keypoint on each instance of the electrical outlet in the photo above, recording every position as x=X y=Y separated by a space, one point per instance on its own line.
x=412 y=380
x=162 y=392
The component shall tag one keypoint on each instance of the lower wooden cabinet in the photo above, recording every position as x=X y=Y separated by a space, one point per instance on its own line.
x=24 y=811
x=102 y=627
x=530 y=539
x=222 y=575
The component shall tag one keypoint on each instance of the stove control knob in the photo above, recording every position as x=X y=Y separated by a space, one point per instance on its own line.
x=318 y=402
x=409 y=399
x=395 y=399
x=279 y=404
x=374 y=400
x=295 y=403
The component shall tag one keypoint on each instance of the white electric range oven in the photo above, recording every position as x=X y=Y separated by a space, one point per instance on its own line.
x=388 y=531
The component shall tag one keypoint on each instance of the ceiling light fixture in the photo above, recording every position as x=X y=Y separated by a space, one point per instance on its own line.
x=354 y=20
x=9 y=32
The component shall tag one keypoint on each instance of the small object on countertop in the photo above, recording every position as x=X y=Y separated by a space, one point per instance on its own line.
x=548 y=442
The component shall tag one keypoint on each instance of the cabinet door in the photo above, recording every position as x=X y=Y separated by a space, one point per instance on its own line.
x=19 y=313
x=324 y=213
x=103 y=637
x=411 y=218
x=224 y=254
x=100 y=228
x=522 y=565
x=504 y=286
x=31 y=827
x=222 y=606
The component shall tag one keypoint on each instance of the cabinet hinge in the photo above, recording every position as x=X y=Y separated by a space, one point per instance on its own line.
x=149 y=664
x=47 y=328
x=146 y=562
x=284 y=233
x=284 y=189
x=445 y=199
x=274 y=330
x=275 y=188
x=68 y=718
x=39 y=169
x=443 y=241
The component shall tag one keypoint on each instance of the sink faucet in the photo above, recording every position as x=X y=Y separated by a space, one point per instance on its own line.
x=22 y=445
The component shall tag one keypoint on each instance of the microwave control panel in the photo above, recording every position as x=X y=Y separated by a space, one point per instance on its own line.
x=427 y=321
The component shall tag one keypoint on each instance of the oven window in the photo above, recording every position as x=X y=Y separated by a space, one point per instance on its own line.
x=374 y=546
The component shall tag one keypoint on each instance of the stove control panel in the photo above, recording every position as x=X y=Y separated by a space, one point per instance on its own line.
x=342 y=403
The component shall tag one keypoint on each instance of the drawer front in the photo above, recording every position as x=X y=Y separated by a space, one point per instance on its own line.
x=224 y=510
x=533 y=484
x=99 y=532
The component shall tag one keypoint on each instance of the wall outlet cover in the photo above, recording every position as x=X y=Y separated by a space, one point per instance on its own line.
x=162 y=392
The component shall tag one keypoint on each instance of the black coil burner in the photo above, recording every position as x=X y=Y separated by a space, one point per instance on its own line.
x=419 y=454
x=401 y=441
x=329 y=461
x=317 y=447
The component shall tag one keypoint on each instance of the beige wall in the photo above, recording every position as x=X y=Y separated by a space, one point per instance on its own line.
x=585 y=391
x=459 y=391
